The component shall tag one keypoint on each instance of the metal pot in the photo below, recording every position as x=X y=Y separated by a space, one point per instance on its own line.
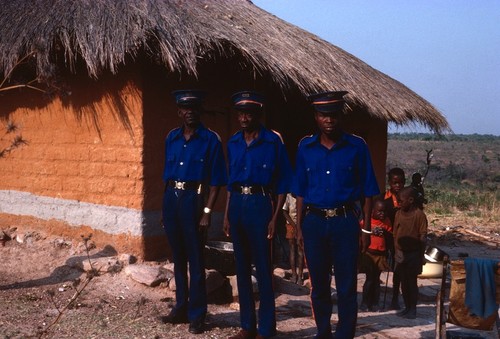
x=219 y=255
x=434 y=254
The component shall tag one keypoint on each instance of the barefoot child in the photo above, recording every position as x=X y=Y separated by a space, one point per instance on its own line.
x=375 y=257
x=410 y=230
x=290 y=214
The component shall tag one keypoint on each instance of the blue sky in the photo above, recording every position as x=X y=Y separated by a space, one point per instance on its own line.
x=447 y=51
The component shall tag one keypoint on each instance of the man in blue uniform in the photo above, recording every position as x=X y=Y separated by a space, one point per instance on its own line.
x=194 y=171
x=259 y=171
x=334 y=181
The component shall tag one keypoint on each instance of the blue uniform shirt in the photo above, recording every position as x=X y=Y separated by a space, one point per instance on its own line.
x=198 y=159
x=264 y=162
x=332 y=178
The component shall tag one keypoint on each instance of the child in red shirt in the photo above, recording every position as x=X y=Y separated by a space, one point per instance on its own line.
x=374 y=261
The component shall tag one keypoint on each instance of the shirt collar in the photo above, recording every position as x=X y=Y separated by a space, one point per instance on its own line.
x=315 y=140
x=263 y=136
x=198 y=133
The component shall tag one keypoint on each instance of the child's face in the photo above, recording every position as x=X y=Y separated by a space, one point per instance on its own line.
x=396 y=183
x=378 y=211
x=405 y=200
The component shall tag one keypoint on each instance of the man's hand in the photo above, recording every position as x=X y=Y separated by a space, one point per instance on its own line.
x=226 y=226
x=270 y=229
x=365 y=241
x=204 y=221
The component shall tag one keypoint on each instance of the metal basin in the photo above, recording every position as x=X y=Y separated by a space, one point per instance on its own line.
x=434 y=254
x=219 y=255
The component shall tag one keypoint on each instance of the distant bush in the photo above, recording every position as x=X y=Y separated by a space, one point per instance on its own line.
x=443 y=200
x=444 y=137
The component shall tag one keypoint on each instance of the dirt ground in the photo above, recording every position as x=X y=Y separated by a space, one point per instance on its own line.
x=39 y=276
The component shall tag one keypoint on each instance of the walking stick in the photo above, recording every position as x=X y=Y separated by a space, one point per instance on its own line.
x=387 y=279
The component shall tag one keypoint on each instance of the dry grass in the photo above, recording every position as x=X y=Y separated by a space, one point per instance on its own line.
x=463 y=179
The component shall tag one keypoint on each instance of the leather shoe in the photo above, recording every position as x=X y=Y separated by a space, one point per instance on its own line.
x=243 y=334
x=197 y=326
x=411 y=314
x=403 y=312
x=176 y=317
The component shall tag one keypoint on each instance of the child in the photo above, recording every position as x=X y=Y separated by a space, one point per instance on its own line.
x=396 y=180
x=375 y=257
x=416 y=183
x=410 y=230
x=290 y=214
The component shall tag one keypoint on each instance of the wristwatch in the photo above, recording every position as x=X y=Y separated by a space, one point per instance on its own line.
x=207 y=210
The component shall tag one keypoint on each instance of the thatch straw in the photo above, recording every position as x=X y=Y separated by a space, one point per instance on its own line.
x=179 y=33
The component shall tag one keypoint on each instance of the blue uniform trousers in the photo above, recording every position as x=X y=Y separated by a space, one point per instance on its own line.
x=332 y=241
x=249 y=217
x=181 y=214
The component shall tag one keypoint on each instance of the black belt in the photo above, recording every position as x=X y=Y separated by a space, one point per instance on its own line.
x=185 y=185
x=249 y=189
x=330 y=212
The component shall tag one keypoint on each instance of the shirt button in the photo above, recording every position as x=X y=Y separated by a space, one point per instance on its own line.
x=264 y=165
x=327 y=172
x=185 y=145
x=181 y=163
x=245 y=168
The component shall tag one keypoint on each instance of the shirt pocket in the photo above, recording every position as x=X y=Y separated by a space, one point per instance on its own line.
x=196 y=165
x=170 y=163
x=313 y=177
x=263 y=172
x=235 y=169
x=345 y=174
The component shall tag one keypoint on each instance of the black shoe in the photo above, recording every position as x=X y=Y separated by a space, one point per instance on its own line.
x=197 y=326
x=176 y=317
x=395 y=305
x=363 y=307
x=411 y=314
x=403 y=312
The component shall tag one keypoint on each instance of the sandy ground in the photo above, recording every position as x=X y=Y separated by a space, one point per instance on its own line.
x=37 y=278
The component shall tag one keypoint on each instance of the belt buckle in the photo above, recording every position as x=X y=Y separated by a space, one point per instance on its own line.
x=330 y=213
x=180 y=185
x=246 y=190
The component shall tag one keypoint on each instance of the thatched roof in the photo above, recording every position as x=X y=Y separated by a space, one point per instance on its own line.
x=179 y=33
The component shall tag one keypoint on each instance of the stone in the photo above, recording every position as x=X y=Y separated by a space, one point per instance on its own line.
x=144 y=274
x=103 y=264
x=279 y=272
x=127 y=259
x=171 y=285
x=234 y=285
x=61 y=243
x=169 y=266
x=214 y=280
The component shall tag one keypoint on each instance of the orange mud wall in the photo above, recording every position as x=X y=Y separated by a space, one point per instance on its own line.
x=82 y=161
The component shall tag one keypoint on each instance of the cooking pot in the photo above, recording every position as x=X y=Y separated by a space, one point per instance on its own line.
x=434 y=254
x=219 y=255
